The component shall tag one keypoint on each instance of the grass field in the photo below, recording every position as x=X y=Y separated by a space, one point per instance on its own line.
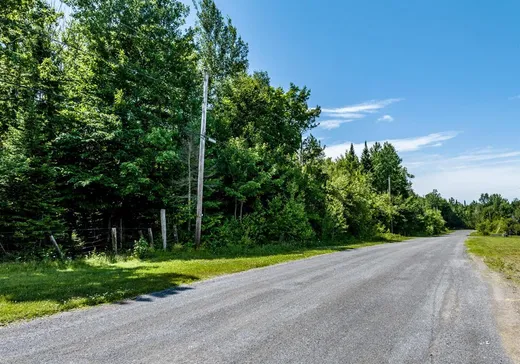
x=29 y=290
x=500 y=253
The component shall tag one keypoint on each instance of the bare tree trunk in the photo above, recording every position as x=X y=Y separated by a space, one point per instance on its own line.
x=241 y=208
x=109 y=229
x=236 y=207
x=2 y=247
x=121 y=233
x=56 y=246
x=175 y=234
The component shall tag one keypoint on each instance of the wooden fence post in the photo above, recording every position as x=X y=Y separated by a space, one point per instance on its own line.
x=163 y=227
x=114 y=240
x=150 y=237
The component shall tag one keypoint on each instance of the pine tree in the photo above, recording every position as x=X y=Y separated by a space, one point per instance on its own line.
x=352 y=158
x=366 y=159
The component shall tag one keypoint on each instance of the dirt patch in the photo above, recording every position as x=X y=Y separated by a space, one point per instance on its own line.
x=506 y=306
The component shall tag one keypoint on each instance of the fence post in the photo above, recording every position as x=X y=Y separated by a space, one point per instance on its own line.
x=114 y=240
x=150 y=236
x=163 y=227
x=56 y=246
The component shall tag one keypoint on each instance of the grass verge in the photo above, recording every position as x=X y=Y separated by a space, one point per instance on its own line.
x=29 y=290
x=499 y=253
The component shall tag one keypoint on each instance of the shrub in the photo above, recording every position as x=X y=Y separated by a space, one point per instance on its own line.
x=484 y=227
x=142 y=249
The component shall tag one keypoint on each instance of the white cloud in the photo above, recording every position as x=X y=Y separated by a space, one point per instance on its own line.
x=401 y=145
x=467 y=175
x=412 y=144
x=357 y=111
x=368 y=106
x=386 y=118
x=516 y=97
x=333 y=123
x=486 y=156
x=468 y=183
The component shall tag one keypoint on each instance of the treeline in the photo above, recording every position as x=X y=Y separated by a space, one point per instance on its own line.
x=491 y=214
x=100 y=124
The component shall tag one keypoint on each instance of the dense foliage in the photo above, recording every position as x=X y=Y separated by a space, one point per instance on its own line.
x=99 y=127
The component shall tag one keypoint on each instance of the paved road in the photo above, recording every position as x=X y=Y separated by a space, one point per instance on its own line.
x=415 y=302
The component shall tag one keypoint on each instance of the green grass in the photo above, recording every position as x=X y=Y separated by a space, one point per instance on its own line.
x=499 y=253
x=29 y=290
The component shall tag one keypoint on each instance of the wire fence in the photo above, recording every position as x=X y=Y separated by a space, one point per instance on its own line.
x=77 y=242
x=116 y=238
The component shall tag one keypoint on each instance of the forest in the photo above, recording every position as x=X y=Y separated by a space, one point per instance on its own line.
x=100 y=114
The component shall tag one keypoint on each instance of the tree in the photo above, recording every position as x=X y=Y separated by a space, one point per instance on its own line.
x=222 y=52
x=366 y=159
x=134 y=71
x=351 y=158
x=386 y=163
x=31 y=100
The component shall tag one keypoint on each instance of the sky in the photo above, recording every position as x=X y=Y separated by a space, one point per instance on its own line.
x=439 y=79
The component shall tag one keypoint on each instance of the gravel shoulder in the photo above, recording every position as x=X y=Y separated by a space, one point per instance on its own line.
x=506 y=307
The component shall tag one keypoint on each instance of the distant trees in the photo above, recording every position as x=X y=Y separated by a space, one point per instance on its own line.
x=491 y=214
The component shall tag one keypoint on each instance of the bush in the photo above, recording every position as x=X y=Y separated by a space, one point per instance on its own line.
x=434 y=223
x=287 y=221
x=142 y=249
x=484 y=227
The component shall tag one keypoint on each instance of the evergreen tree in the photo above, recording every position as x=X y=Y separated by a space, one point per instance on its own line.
x=352 y=159
x=366 y=159
x=387 y=164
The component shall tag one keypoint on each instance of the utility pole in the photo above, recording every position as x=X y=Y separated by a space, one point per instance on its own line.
x=189 y=184
x=391 y=206
x=202 y=149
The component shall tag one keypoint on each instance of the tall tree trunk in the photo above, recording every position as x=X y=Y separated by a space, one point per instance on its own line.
x=236 y=207
x=241 y=208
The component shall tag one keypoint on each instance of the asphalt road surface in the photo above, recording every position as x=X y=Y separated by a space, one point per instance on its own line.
x=420 y=301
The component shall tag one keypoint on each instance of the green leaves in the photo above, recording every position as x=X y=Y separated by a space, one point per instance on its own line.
x=99 y=122
x=222 y=51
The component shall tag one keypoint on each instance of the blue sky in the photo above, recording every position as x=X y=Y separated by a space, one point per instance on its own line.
x=439 y=79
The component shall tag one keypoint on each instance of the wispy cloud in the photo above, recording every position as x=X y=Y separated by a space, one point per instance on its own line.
x=517 y=97
x=474 y=157
x=387 y=118
x=401 y=145
x=365 y=107
x=465 y=176
x=357 y=111
x=333 y=123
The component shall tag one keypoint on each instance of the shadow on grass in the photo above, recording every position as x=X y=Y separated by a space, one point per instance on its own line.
x=85 y=285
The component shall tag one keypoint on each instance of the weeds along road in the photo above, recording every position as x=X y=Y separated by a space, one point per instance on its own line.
x=419 y=301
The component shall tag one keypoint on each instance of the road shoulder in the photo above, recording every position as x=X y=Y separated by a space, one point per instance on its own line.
x=506 y=306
